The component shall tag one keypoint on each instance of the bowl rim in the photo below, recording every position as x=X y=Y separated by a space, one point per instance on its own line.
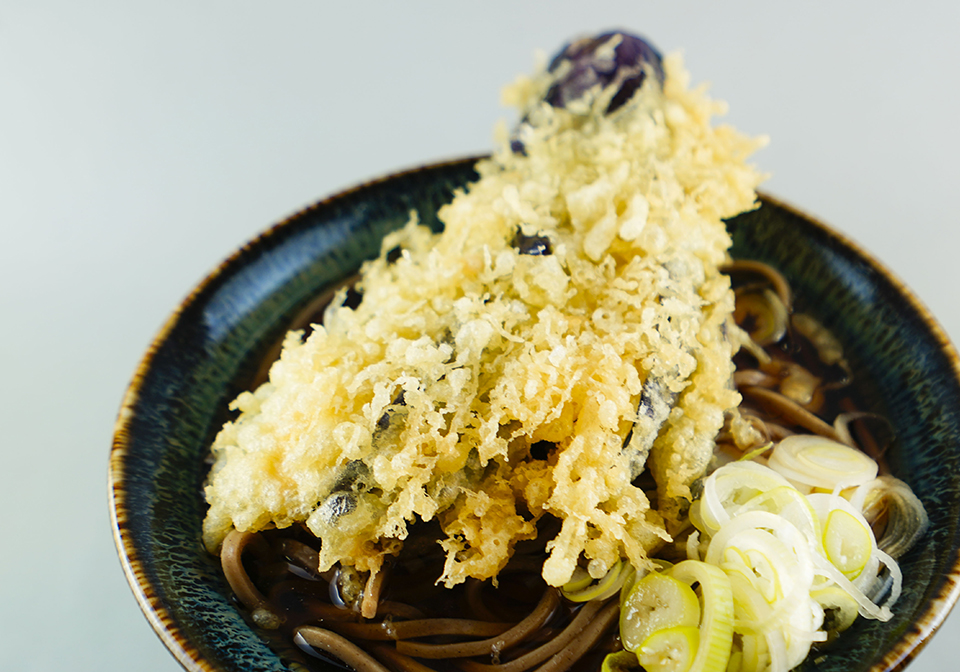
x=909 y=644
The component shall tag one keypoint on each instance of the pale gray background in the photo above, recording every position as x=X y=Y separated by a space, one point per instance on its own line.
x=140 y=143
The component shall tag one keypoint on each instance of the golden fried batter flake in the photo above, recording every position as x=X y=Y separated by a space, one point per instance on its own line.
x=486 y=385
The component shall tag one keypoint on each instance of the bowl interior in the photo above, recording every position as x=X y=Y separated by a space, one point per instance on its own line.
x=212 y=347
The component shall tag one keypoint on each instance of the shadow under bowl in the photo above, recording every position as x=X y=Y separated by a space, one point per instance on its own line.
x=212 y=348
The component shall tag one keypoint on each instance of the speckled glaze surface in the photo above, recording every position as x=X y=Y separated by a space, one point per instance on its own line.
x=210 y=350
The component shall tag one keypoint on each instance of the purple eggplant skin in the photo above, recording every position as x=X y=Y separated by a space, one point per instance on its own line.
x=633 y=58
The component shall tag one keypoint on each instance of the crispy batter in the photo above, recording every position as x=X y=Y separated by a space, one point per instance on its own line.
x=486 y=387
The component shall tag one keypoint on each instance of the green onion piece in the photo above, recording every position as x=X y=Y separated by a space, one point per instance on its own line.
x=577 y=591
x=619 y=661
x=716 y=621
x=847 y=542
x=840 y=609
x=657 y=602
x=817 y=462
x=670 y=650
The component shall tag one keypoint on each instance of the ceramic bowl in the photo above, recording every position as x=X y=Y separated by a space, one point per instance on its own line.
x=212 y=347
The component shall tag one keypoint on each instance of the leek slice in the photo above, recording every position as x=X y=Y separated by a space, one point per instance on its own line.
x=906 y=519
x=632 y=580
x=619 y=661
x=763 y=559
x=612 y=581
x=848 y=540
x=716 y=621
x=731 y=486
x=753 y=622
x=792 y=558
x=695 y=519
x=866 y=607
x=754 y=655
x=789 y=503
x=657 y=602
x=840 y=609
x=817 y=462
x=894 y=568
x=772 y=637
x=847 y=543
x=752 y=613
x=670 y=650
x=580 y=580
x=693 y=545
x=784 y=565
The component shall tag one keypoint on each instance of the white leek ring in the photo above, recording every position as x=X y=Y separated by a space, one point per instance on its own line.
x=817 y=462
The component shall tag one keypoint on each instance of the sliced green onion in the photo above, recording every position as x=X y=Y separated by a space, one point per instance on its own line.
x=847 y=542
x=838 y=605
x=789 y=558
x=612 y=581
x=695 y=518
x=802 y=630
x=580 y=580
x=630 y=581
x=906 y=518
x=693 y=545
x=754 y=654
x=761 y=558
x=789 y=626
x=619 y=661
x=731 y=486
x=895 y=574
x=716 y=622
x=762 y=644
x=777 y=650
x=657 y=601
x=670 y=650
x=767 y=315
x=802 y=568
x=817 y=462
x=789 y=503
x=866 y=607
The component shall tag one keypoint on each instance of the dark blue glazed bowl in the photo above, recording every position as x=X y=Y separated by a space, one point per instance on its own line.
x=213 y=345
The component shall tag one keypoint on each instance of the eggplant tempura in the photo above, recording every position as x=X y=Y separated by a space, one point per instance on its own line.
x=568 y=330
